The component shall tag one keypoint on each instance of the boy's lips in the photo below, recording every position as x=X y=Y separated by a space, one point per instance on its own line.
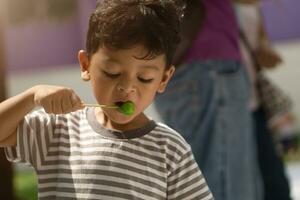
x=127 y=108
x=120 y=101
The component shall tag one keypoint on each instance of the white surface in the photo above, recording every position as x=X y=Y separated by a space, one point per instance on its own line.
x=293 y=171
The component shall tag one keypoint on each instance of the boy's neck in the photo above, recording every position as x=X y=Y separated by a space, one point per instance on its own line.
x=139 y=122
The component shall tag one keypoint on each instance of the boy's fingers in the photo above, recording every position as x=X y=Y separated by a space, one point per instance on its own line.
x=76 y=102
x=47 y=105
x=57 y=108
x=67 y=105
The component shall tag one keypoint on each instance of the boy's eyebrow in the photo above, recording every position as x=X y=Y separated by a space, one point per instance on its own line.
x=150 y=67
x=112 y=60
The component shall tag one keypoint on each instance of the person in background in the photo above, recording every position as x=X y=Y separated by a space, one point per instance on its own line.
x=207 y=101
x=257 y=53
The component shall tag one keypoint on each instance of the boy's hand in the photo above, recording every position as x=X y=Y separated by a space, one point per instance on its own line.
x=56 y=99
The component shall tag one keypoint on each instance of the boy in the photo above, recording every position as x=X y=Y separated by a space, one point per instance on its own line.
x=93 y=153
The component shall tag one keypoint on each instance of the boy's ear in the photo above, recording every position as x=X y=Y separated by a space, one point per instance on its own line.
x=166 y=77
x=84 y=65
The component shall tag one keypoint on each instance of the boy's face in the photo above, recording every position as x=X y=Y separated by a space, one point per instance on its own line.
x=119 y=76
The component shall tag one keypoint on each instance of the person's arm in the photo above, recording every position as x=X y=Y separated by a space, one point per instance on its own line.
x=266 y=56
x=190 y=26
x=54 y=99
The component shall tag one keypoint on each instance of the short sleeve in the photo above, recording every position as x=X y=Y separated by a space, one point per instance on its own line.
x=34 y=134
x=186 y=181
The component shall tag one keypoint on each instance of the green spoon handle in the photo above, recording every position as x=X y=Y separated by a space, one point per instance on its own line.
x=101 y=106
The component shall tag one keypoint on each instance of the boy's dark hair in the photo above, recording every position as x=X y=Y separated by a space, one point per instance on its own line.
x=121 y=24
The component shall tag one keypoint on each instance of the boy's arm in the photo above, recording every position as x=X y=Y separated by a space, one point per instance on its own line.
x=54 y=99
x=12 y=112
x=190 y=26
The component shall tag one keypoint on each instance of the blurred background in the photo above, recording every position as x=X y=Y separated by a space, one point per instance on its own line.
x=39 y=41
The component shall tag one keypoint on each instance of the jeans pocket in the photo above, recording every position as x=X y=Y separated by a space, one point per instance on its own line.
x=235 y=87
x=181 y=105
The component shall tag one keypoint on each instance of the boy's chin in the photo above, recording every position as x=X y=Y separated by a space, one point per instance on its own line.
x=120 y=118
x=127 y=122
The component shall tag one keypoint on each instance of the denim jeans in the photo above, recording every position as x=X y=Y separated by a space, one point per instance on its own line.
x=207 y=103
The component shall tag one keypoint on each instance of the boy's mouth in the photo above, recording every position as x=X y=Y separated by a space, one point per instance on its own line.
x=127 y=107
x=119 y=103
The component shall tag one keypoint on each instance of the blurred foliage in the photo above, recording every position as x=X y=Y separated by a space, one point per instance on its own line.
x=293 y=155
x=26 y=185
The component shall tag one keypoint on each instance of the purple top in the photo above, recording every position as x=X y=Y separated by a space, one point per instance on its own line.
x=218 y=38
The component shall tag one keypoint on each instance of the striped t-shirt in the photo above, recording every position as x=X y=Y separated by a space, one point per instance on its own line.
x=77 y=158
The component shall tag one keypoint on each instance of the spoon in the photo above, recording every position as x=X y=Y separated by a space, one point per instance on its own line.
x=126 y=108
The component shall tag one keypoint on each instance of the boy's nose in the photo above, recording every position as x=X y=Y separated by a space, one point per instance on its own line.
x=126 y=88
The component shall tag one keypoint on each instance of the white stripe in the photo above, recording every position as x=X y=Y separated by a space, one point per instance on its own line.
x=189 y=188
x=96 y=196
x=91 y=177
x=183 y=181
x=77 y=195
x=91 y=167
x=200 y=192
x=134 y=156
x=96 y=147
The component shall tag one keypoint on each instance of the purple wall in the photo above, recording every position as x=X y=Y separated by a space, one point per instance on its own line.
x=84 y=11
x=282 y=18
x=40 y=46
x=35 y=46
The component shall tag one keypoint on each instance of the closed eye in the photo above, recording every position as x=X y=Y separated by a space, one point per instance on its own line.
x=110 y=75
x=145 y=80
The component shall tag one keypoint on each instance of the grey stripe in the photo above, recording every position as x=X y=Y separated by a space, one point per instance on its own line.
x=145 y=171
x=23 y=134
x=186 y=175
x=204 y=195
x=98 y=149
x=39 y=129
x=167 y=135
x=60 y=118
x=193 y=191
x=127 y=176
x=34 y=155
x=75 y=121
x=153 y=140
x=95 y=191
x=188 y=184
x=99 y=183
x=66 y=128
x=121 y=156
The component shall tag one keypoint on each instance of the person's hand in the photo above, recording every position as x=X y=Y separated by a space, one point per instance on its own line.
x=56 y=99
x=267 y=57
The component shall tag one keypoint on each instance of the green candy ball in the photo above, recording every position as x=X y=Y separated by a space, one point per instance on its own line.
x=127 y=108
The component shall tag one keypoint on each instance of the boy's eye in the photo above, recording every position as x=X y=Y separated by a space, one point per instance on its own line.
x=110 y=75
x=143 y=80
